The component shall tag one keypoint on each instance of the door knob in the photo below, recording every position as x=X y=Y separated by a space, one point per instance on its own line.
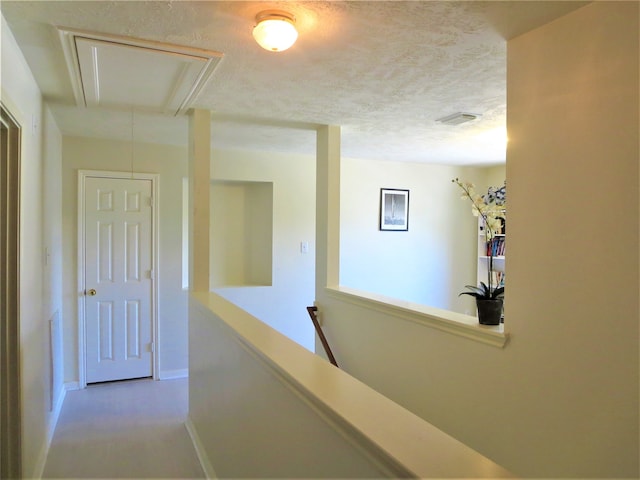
x=92 y=292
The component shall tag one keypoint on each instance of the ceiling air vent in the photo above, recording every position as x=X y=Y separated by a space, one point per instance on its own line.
x=458 y=118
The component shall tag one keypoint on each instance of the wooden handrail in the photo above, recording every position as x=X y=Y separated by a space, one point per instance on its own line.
x=312 y=313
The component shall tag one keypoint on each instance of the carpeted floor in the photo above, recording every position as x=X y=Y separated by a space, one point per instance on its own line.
x=132 y=429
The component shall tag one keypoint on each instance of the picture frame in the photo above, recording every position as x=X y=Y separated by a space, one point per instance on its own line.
x=394 y=209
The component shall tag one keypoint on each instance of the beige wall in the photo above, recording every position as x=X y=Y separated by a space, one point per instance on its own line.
x=52 y=260
x=561 y=399
x=573 y=97
x=495 y=176
x=431 y=262
x=565 y=390
x=283 y=304
x=171 y=164
x=252 y=423
x=39 y=292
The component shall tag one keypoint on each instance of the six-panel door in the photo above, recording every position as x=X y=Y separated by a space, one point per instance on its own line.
x=118 y=283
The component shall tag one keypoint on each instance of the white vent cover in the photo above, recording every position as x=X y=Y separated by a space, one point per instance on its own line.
x=458 y=118
x=119 y=72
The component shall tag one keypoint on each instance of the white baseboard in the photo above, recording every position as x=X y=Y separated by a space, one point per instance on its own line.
x=51 y=429
x=69 y=386
x=40 y=462
x=55 y=414
x=173 y=374
x=207 y=468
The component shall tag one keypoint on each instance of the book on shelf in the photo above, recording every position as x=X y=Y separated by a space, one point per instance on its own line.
x=497 y=279
x=496 y=247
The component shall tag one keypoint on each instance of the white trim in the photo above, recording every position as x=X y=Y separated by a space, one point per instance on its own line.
x=174 y=374
x=82 y=377
x=41 y=460
x=155 y=259
x=51 y=430
x=70 y=386
x=444 y=320
x=340 y=425
x=155 y=262
x=55 y=414
x=207 y=468
x=70 y=56
x=210 y=58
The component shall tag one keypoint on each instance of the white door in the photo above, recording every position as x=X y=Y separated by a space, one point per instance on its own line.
x=118 y=279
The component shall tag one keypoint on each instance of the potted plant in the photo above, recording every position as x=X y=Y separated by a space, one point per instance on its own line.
x=492 y=208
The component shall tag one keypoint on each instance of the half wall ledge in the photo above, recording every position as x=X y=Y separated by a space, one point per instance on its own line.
x=254 y=392
x=444 y=320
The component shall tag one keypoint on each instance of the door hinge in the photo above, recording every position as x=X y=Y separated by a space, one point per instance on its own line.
x=150 y=274
x=152 y=347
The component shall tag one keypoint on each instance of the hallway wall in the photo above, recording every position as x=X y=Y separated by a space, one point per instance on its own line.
x=170 y=163
x=573 y=163
x=40 y=247
x=431 y=262
x=283 y=304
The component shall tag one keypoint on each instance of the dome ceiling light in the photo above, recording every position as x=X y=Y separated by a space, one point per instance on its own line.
x=275 y=30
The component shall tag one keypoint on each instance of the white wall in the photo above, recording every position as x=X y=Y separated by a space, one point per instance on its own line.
x=282 y=305
x=430 y=263
x=561 y=399
x=170 y=163
x=39 y=284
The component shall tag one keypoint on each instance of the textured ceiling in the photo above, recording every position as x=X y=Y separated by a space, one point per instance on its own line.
x=384 y=71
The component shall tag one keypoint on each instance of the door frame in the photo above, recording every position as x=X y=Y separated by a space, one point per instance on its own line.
x=155 y=277
x=10 y=365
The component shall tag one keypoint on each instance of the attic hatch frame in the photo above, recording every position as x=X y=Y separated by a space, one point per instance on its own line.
x=176 y=103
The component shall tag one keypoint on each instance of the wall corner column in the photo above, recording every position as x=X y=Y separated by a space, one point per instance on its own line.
x=199 y=189
x=327 y=208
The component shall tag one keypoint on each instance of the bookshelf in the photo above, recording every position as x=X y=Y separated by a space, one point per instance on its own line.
x=497 y=245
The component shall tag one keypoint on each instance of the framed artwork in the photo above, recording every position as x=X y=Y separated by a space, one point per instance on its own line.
x=394 y=209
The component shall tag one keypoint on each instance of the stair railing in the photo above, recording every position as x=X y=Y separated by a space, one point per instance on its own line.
x=312 y=313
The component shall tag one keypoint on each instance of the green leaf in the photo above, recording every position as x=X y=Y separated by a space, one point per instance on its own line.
x=477 y=292
x=473 y=294
x=483 y=292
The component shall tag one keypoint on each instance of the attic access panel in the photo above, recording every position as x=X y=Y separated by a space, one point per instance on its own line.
x=120 y=72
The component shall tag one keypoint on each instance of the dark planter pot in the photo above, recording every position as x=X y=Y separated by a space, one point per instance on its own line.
x=489 y=310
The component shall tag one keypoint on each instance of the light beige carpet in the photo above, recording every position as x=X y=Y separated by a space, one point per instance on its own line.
x=131 y=429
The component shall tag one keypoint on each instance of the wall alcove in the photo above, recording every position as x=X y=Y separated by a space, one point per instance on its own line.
x=241 y=233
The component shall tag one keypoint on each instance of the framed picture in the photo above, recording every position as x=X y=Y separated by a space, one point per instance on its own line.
x=394 y=209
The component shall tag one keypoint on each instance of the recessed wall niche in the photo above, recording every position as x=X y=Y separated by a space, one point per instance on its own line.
x=241 y=233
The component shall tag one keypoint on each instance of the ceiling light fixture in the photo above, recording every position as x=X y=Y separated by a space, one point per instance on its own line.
x=275 y=30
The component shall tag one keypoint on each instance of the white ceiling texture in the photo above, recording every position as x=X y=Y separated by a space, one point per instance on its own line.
x=384 y=71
